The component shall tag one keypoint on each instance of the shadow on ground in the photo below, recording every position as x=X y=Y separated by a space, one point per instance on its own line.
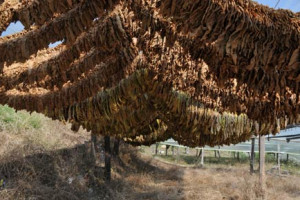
x=71 y=174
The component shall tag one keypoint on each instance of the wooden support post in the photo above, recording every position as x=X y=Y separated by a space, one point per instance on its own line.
x=93 y=147
x=156 y=148
x=278 y=157
x=172 y=150
x=202 y=157
x=107 y=150
x=262 y=178
x=252 y=156
x=167 y=147
x=287 y=157
x=178 y=155
x=238 y=156
x=152 y=149
x=116 y=147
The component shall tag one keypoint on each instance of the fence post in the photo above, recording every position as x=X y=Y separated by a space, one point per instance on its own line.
x=252 y=158
x=278 y=157
x=202 y=156
x=172 y=150
x=156 y=148
x=167 y=147
x=178 y=154
x=262 y=163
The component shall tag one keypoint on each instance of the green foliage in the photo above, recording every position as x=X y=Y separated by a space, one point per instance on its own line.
x=291 y=166
x=18 y=121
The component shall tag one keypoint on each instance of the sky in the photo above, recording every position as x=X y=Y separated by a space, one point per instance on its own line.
x=293 y=5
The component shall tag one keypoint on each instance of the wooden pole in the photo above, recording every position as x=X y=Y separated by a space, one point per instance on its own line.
x=262 y=174
x=116 y=147
x=107 y=150
x=186 y=150
x=178 y=154
x=93 y=147
x=167 y=147
x=278 y=157
x=202 y=157
x=156 y=148
x=252 y=156
x=172 y=150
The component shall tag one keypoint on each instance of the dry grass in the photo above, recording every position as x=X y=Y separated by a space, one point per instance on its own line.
x=22 y=131
x=167 y=181
x=46 y=175
x=48 y=161
x=37 y=156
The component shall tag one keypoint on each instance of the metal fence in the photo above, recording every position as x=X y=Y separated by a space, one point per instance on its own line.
x=279 y=146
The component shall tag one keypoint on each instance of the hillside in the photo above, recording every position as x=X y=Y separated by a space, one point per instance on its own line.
x=43 y=159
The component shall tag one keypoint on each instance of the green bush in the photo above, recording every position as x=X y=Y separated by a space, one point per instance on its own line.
x=18 y=121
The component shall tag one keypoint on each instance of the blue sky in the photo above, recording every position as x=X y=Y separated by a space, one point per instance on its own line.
x=293 y=5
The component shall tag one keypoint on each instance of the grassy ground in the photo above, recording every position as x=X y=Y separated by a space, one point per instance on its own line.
x=43 y=159
x=226 y=159
x=229 y=178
